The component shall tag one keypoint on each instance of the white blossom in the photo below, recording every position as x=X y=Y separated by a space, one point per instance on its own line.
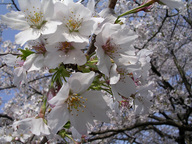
x=65 y=52
x=36 y=125
x=75 y=104
x=34 y=19
x=77 y=23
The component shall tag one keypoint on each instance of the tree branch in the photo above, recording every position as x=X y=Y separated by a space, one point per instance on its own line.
x=182 y=74
x=112 y=4
x=165 y=83
x=13 y=2
x=6 y=116
x=137 y=125
x=159 y=29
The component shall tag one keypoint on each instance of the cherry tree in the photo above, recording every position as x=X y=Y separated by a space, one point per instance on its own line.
x=97 y=71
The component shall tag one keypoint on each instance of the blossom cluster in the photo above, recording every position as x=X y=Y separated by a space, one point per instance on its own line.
x=84 y=86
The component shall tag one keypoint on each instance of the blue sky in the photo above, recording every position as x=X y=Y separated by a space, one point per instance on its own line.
x=8 y=34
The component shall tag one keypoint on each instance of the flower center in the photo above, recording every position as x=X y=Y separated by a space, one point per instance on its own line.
x=65 y=47
x=108 y=48
x=39 y=48
x=125 y=103
x=35 y=18
x=75 y=102
x=73 y=23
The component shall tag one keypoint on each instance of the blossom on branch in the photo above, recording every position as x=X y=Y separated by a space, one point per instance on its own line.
x=66 y=53
x=75 y=104
x=77 y=23
x=34 y=19
x=36 y=125
x=114 y=45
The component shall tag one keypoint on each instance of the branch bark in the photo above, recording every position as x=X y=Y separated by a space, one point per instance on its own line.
x=13 y=2
x=6 y=116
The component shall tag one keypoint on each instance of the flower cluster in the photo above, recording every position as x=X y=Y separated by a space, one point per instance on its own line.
x=83 y=86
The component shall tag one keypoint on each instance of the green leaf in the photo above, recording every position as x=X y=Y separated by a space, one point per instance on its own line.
x=25 y=53
x=67 y=125
x=64 y=72
x=60 y=73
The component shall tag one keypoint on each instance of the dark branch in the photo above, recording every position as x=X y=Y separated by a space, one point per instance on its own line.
x=13 y=2
x=112 y=4
x=182 y=74
x=159 y=29
x=164 y=82
x=6 y=116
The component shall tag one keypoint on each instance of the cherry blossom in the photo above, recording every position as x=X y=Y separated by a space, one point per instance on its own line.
x=114 y=43
x=20 y=75
x=33 y=20
x=77 y=23
x=66 y=52
x=36 y=125
x=94 y=76
x=75 y=104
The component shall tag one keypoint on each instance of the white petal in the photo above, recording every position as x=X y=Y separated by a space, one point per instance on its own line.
x=47 y=8
x=20 y=75
x=173 y=3
x=15 y=20
x=67 y=1
x=57 y=36
x=87 y=28
x=61 y=10
x=108 y=30
x=125 y=87
x=124 y=59
x=28 y=4
x=114 y=76
x=75 y=37
x=96 y=105
x=26 y=35
x=80 y=121
x=76 y=135
x=79 y=9
x=79 y=45
x=9 y=60
x=75 y=57
x=124 y=37
x=52 y=59
x=29 y=61
x=80 y=82
x=38 y=63
x=61 y=96
x=57 y=118
x=25 y=123
x=116 y=95
x=50 y=27
x=52 y=47
x=39 y=127
x=104 y=63
x=18 y=71
x=91 y=5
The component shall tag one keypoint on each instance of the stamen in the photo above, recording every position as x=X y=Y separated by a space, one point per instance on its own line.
x=35 y=18
x=39 y=48
x=73 y=23
x=108 y=48
x=65 y=47
x=74 y=102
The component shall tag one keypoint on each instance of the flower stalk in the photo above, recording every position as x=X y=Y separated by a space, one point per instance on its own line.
x=135 y=10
